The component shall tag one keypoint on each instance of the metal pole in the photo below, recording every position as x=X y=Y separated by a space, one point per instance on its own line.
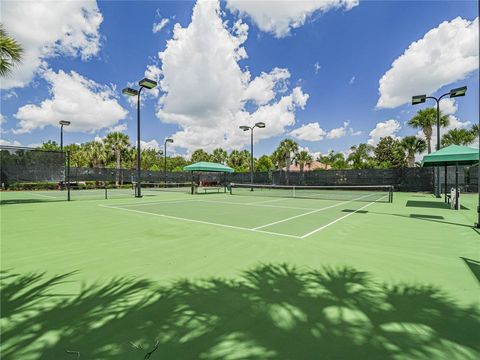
x=445 y=183
x=61 y=137
x=437 y=185
x=139 y=160
x=165 y=163
x=68 y=175
x=477 y=224
x=251 y=157
x=456 y=186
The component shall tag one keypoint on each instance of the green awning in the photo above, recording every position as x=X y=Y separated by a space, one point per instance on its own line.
x=208 y=166
x=451 y=155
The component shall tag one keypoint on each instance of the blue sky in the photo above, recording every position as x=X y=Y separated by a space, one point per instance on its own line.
x=311 y=71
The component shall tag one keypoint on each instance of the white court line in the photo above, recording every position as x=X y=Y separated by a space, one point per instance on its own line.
x=334 y=221
x=308 y=213
x=200 y=221
x=254 y=204
x=49 y=196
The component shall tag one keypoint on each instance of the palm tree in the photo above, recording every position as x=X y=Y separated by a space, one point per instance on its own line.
x=117 y=143
x=10 y=52
x=95 y=154
x=219 y=156
x=285 y=150
x=458 y=137
x=303 y=158
x=200 y=155
x=239 y=160
x=360 y=155
x=412 y=145
x=426 y=119
x=476 y=130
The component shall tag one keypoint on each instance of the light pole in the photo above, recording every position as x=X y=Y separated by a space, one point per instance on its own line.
x=62 y=124
x=419 y=99
x=260 y=125
x=149 y=84
x=165 y=159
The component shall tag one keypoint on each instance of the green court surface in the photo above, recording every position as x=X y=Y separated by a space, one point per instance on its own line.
x=222 y=276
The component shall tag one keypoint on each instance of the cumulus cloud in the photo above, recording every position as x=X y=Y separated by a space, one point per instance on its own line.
x=317 y=67
x=119 y=128
x=151 y=145
x=157 y=27
x=313 y=132
x=448 y=106
x=384 y=129
x=352 y=80
x=88 y=105
x=10 y=143
x=279 y=17
x=445 y=54
x=309 y=132
x=208 y=95
x=47 y=29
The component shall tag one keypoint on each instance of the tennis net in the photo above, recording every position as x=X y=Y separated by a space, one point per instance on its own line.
x=169 y=186
x=367 y=193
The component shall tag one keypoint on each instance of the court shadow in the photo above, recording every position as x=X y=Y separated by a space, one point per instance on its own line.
x=474 y=267
x=355 y=211
x=28 y=201
x=431 y=204
x=272 y=311
x=424 y=216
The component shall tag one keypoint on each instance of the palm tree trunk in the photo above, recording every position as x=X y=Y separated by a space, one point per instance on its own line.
x=302 y=172
x=411 y=159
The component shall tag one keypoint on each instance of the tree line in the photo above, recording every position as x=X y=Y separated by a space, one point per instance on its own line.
x=116 y=151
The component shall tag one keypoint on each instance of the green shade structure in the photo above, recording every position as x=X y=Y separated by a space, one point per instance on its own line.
x=452 y=155
x=208 y=166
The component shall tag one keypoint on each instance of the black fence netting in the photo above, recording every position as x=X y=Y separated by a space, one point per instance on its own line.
x=24 y=165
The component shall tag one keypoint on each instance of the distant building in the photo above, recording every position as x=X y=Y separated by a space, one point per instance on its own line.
x=313 y=166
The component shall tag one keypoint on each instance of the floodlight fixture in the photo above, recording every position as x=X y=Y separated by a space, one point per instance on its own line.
x=64 y=122
x=169 y=140
x=147 y=83
x=418 y=99
x=260 y=125
x=130 y=92
x=461 y=91
x=245 y=128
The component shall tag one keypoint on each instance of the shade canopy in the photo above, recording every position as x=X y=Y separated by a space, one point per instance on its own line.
x=208 y=166
x=452 y=155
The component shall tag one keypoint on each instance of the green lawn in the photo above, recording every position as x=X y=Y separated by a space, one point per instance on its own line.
x=238 y=277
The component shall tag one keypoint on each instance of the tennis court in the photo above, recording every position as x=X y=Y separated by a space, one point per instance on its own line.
x=245 y=275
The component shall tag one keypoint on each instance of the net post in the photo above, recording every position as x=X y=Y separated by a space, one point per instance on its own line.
x=68 y=175
x=391 y=194
x=106 y=194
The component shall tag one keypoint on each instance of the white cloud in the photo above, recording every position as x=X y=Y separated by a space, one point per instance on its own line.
x=445 y=54
x=152 y=144
x=313 y=132
x=352 y=80
x=10 y=143
x=263 y=88
x=119 y=128
x=384 y=129
x=207 y=94
x=279 y=16
x=317 y=67
x=46 y=29
x=157 y=27
x=88 y=105
x=2 y=119
x=9 y=95
x=448 y=106
x=309 y=132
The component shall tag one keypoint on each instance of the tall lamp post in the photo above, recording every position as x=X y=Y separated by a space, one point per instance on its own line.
x=419 y=99
x=148 y=84
x=165 y=159
x=260 y=125
x=62 y=124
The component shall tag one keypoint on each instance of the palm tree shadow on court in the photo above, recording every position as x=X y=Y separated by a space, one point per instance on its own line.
x=270 y=312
